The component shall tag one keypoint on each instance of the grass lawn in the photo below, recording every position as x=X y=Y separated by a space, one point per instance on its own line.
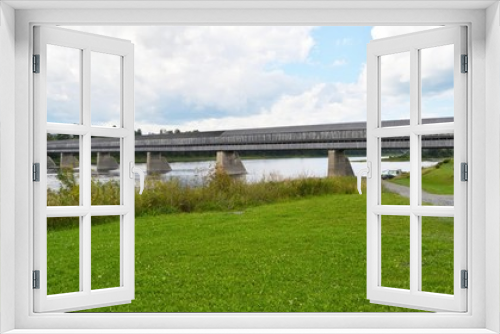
x=304 y=255
x=435 y=180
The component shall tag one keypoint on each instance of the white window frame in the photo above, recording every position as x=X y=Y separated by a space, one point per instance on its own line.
x=483 y=294
x=412 y=44
x=123 y=50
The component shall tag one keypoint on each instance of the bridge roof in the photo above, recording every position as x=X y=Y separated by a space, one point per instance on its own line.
x=291 y=129
x=307 y=137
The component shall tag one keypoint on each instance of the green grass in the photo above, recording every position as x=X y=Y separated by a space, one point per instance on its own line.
x=397 y=158
x=300 y=255
x=435 y=180
x=389 y=198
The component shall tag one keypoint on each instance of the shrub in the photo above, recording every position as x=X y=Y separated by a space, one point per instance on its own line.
x=219 y=192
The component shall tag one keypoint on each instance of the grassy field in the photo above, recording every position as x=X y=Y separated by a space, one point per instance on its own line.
x=435 y=180
x=300 y=255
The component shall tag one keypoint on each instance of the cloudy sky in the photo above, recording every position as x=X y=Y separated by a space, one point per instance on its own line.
x=208 y=78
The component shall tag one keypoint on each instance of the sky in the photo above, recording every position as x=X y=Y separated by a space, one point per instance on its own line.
x=232 y=77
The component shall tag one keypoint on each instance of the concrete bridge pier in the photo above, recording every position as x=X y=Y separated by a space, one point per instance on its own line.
x=157 y=164
x=68 y=161
x=105 y=162
x=230 y=162
x=51 y=165
x=338 y=164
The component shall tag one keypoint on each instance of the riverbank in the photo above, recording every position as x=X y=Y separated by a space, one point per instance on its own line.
x=219 y=192
x=437 y=179
x=195 y=173
x=427 y=198
x=302 y=255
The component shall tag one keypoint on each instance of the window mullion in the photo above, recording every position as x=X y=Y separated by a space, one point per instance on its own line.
x=414 y=171
x=85 y=176
x=85 y=172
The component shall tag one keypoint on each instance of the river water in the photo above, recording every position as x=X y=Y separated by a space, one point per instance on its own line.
x=258 y=169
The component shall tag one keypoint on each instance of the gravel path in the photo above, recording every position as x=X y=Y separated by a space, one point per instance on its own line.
x=442 y=200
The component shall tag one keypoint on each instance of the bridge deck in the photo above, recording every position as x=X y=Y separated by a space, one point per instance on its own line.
x=328 y=136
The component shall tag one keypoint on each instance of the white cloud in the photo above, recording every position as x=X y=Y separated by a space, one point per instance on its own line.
x=105 y=89
x=322 y=103
x=230 y=77
x=228 y=69
x=339 y=62
x=343 y=42
x=63 y=89
x=346 y=102
x=436 y=77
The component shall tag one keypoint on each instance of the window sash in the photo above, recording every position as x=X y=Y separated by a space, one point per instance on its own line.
x=413 y=298
x=87 y=297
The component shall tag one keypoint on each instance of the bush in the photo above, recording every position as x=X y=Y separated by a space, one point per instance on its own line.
x=219 y=192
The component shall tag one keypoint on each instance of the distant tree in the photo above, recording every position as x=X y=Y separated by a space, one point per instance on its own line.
x=177 y=131
x=163 y=131
x=59 y=137
x=138 y=132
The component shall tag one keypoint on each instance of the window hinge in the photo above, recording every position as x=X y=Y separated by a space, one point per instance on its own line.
x=36 y=63
x=36 y=279
x=465 y=279
x=36 y=172
x=464 y=167
x=465 y=64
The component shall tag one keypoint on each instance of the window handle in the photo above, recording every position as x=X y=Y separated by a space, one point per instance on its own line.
x=135 y=170
x=364 y=172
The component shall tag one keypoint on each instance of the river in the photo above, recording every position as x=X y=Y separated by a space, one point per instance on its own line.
x=258 y=169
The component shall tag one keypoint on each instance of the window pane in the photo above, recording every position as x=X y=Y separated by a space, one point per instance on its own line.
x=105 y=252
x=395 y=171
x=63 y=84
x=436 y=75
x=395 y=252
x=63 y=255
x=63 y=170
x=106 y=171
x=395 y=89
x=105 y=90
x=437 y=254
x=437 y=175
